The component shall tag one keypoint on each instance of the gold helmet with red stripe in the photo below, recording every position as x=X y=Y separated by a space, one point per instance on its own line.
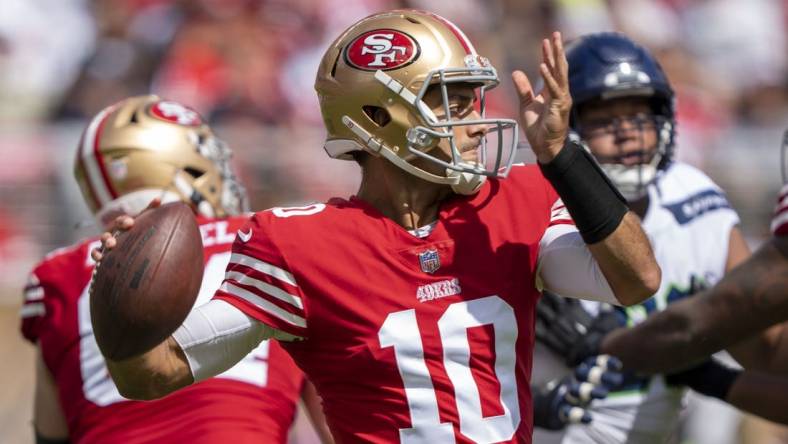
x=144 y=147
x=387 y=62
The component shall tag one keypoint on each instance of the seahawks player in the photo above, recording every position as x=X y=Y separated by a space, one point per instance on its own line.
x=623 y=112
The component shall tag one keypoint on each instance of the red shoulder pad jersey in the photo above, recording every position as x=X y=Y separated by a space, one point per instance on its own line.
x=254 y=401
x=780 y=220
x=413 y=340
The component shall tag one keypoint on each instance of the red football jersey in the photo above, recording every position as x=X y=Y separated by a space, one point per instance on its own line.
x=780 y=220
x=253 y=402
x=407 y=339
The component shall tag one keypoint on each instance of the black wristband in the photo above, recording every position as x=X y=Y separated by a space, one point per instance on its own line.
x=592 y=200
x=711 y=378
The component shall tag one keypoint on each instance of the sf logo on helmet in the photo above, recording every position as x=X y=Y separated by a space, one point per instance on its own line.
x=176 y=113
x=381 y=49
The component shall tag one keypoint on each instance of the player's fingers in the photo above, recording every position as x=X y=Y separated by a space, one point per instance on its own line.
x=107 y=241
x=561 y=65
x=611 y=362
x=590 y=373
x=548 y=55
x=574 y=415
x=523 y=87
x=549 y=81
x=96 y=254
x=583 y=393
x=597 y=372
x=124 y=223
x=155 y=203
x=606 y=362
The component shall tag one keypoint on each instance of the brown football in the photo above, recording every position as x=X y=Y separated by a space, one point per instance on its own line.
x=143 y=288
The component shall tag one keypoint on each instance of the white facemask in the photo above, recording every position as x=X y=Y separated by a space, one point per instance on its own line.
x=632 y=180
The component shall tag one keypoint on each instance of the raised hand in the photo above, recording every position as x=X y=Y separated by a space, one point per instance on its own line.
x=545 y=116
x=121 y=224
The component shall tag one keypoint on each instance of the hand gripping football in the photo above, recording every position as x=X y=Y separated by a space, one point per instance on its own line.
x=143 y=289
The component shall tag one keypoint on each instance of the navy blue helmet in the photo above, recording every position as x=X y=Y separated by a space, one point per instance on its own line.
x=607 y=66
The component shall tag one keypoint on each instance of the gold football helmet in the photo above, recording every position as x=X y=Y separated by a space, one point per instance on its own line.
x=388 y=61
x=144 y=147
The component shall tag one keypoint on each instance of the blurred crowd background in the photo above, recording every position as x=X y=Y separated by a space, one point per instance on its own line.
x=249 y=66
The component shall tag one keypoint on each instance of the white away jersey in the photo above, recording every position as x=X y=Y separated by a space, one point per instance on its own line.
x=688 y=222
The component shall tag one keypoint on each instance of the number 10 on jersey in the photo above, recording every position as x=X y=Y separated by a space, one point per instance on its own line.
x=401 y=331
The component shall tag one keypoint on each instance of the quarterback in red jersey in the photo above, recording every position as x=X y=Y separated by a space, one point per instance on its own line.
x=136 y=150
x=411 y=305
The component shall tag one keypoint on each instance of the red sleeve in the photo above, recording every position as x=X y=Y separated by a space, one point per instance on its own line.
x=33 y=312
x=259 y=281
x=780 y=220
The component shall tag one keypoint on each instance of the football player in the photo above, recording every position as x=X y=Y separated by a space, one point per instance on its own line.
x=747 y=309
x=752 y=298
x=623 y=111
x=136 y=150
x=410 y=306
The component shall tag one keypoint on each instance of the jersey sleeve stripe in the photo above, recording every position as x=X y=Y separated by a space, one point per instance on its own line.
x=559 y=214
x=263 y=277
x=263 y=287
x=782 y=204
x=34 y=293
x=32 y=310
x=780 y=224
x=263 y=304
x=263 y=267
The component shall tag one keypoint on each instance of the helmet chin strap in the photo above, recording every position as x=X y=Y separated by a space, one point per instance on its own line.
x=467 y=183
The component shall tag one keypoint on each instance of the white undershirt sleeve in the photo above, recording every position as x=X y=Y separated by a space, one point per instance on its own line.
x=567 y=268
x=215 y=336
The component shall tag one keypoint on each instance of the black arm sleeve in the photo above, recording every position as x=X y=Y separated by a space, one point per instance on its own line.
x=593 y=201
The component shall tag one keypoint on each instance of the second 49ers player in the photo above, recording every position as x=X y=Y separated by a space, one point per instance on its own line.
x=411 y=305
x=139 y=149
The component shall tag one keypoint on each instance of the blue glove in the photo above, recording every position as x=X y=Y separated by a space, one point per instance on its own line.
x=562 y=402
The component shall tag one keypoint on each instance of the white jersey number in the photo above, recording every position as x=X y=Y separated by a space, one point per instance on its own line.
x=97 y=385
x=401 y=331
x=307 y=210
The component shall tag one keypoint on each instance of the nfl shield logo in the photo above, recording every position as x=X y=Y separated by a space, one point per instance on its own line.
x=430 y=261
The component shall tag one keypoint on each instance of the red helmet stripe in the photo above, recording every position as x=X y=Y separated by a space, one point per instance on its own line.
x=466 y=44
x=96 y=178
x=100 y=157
x=92 y=195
